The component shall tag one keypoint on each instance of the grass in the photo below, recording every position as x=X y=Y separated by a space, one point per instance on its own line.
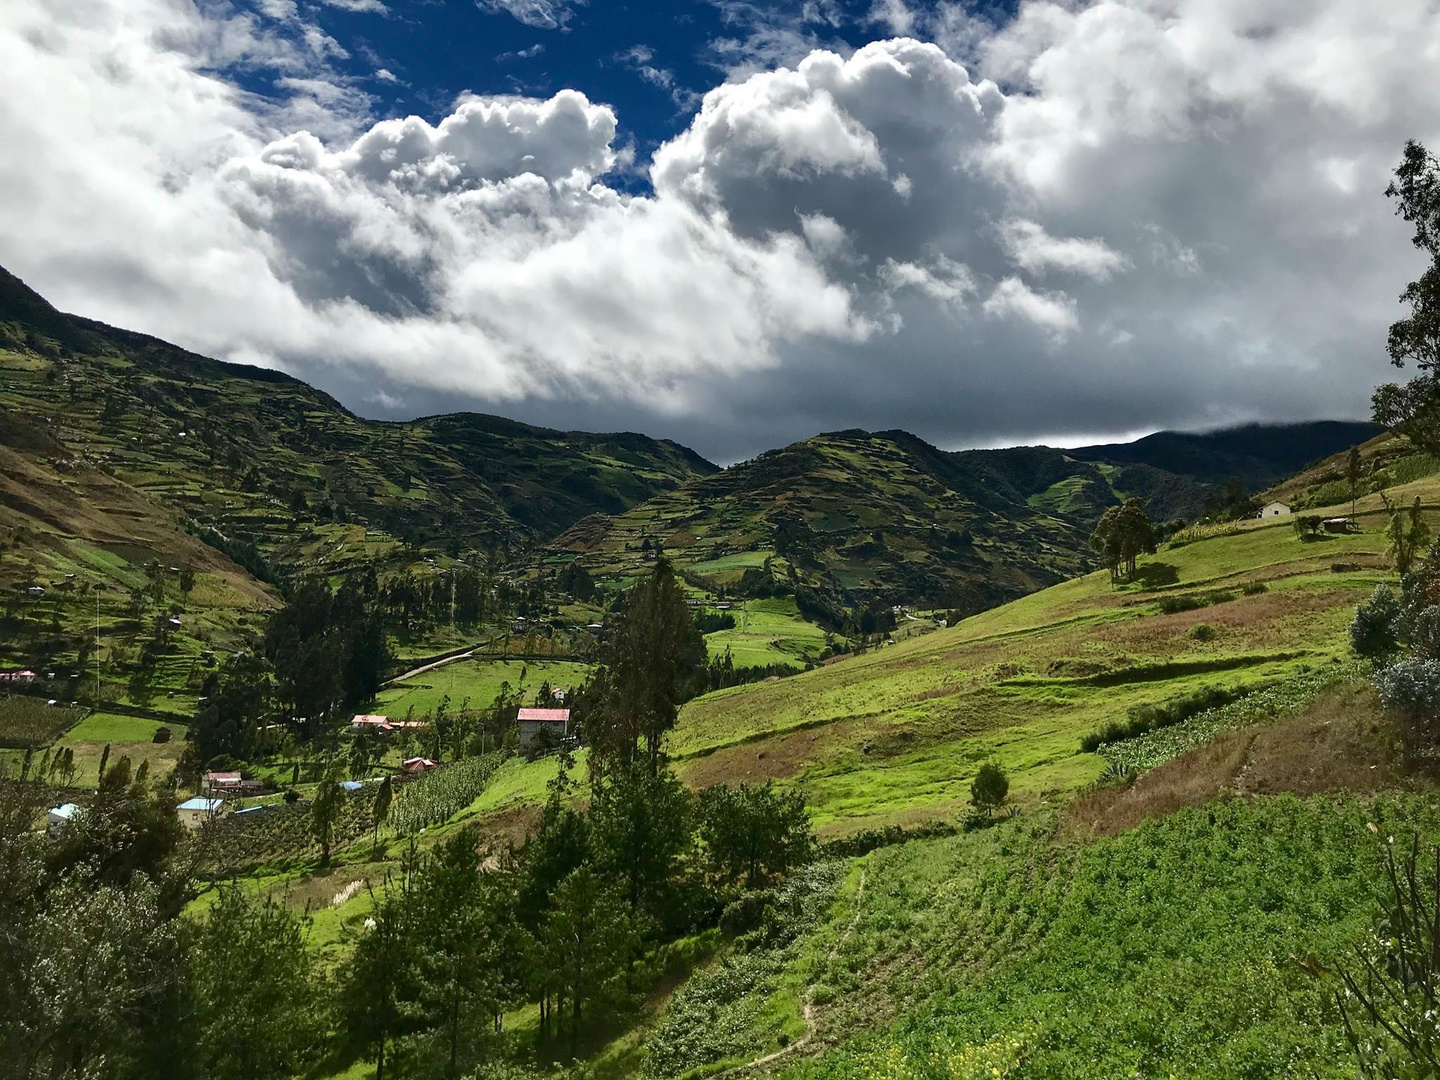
x=895 y=736
x=479 y=680
x=127 y=736
x=768 y=632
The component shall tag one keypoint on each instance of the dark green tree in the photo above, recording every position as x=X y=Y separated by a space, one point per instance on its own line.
x=325 y=810
x=654 y=659
x=588 y=937
x=1413 y=409
x=640 y=828
x=754 y=832
x=252 y=984
x=989 y=789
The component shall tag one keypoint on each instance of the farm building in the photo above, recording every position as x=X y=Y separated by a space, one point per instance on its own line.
x=24 y=675
x=417 y=764
x=1274 y=509
x=533 y=721
x=369 y=722
x=197 y=811
x=219 y=782
x=58 y=820
x=1337 y=525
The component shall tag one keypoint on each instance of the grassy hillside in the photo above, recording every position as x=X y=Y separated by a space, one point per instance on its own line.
x=844 y=518
x=853 y=518
x=895 y=735
x=118 y=451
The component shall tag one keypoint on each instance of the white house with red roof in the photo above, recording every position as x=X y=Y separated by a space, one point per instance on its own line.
x=534 y=721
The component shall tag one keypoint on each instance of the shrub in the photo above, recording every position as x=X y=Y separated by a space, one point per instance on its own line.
x=746 y=912
x=990 y=788
x=162 y=735
x=1411 y=687
x=1203 y=632
x=1255 y=588
x=1374 y=632
x=1173 y=605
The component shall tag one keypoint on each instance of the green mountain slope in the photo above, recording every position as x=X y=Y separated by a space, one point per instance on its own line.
x=854 y=518
x=844 y=518
x=118 y=451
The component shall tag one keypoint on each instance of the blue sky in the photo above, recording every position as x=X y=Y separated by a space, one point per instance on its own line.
x=651 y=61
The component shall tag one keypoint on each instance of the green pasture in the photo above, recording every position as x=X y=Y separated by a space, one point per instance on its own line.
x=768 y=632
x=477 y=679
x=127 y=736
x=895 y=735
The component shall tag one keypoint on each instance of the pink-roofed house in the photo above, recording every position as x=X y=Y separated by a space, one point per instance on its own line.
x=533 y=721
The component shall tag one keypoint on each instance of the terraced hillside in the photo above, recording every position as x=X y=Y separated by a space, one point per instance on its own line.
x=118 y=451
x=895 y=735
x=853 y=518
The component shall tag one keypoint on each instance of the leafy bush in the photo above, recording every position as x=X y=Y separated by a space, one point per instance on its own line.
x=1411 y=687
x=990 y=788
x=1202 y=632
x=1255 y=588
x=1173 y=605
x=162 y=735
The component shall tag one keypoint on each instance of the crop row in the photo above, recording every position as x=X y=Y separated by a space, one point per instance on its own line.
x=1284 y=698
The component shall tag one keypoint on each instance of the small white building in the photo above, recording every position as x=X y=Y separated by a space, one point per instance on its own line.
x=197 y=811
x=1274 y=509
x=59 y=818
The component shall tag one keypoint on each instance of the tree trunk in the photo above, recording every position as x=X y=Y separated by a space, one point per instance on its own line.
x=380 y=1061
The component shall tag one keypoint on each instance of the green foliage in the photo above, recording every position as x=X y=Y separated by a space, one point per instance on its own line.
x=1414 y=467
x=1173 y=604
x=989 y=789
x=1123 y=534
x=653 y=660
x=1158 y=745
x=640 y=829
x=1144 y=718
x=1166 y=951
x=253 y=986
x=1409 y=409
x=28 y=722
x=727 y=1013
x=587 y=941
x=1391 y=999
x=1375 y=630
x=440 y=794
x=754 y=833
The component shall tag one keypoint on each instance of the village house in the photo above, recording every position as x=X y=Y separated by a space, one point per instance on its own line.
x=417 y=765
x=24 y=676
x=59 y=818
x=195 y=812
x=229 y=784
x=533 y=721
x=1274 y=509
x=369 y=722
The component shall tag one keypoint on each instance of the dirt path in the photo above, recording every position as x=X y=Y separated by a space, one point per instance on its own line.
x=807 y=1008
x=433 y=665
